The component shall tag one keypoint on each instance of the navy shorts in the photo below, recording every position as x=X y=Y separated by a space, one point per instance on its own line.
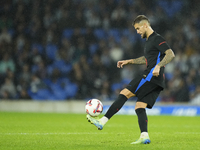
x=144 y=90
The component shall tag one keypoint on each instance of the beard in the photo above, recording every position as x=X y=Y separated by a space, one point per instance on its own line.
x=144 y=35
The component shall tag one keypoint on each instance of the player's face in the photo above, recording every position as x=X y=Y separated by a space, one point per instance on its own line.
x=140 y=28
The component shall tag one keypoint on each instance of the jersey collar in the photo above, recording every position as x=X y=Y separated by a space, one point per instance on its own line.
x=154 y=33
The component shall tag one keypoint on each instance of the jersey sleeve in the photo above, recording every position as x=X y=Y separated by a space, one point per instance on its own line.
x=161 y=44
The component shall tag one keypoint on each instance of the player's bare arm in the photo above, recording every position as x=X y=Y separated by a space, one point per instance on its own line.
x=169 y=55
x=140 y=60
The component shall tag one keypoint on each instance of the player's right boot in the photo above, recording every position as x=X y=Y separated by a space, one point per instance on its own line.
x=95 y=122
x=145 y=140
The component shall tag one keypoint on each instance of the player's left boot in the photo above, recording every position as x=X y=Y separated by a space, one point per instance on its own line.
x=145 y=140
x=95 y=122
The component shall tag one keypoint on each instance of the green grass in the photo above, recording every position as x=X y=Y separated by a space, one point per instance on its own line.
x=42 y=131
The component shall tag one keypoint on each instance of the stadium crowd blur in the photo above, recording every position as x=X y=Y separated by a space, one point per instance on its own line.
x=68 y=49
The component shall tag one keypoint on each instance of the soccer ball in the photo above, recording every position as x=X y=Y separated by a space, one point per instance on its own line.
x=94 y=107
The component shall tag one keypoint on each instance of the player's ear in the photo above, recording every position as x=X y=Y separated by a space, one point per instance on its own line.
x=145 y=25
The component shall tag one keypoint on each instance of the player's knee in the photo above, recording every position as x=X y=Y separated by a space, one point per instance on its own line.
x=140 y=105
x=127 y=93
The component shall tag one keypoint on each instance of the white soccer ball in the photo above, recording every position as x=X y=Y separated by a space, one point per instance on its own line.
x=94 y=107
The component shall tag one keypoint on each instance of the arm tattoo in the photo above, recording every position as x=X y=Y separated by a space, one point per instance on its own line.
x=169 y=55
x=140 y=60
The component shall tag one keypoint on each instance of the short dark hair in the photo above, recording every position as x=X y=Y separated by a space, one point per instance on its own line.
x=139 y=18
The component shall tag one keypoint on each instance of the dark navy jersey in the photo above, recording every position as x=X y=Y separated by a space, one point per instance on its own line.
x=154 y=52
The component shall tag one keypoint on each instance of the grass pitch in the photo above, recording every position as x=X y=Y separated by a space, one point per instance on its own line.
x=42 y=131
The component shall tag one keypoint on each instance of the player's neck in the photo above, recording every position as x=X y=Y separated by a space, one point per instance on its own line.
x=149 y=32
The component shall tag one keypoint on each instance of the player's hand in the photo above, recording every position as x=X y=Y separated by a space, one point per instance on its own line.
x=156 y=71
x=121 y=63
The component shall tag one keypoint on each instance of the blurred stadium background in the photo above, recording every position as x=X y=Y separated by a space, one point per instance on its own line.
x=64 y=50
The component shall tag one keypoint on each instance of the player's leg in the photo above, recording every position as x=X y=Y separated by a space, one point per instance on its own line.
x=142 y=116
x=124 y=95
x=142 y=121
x=147 y=101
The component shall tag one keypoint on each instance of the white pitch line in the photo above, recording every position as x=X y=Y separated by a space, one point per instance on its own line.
x=70 y=133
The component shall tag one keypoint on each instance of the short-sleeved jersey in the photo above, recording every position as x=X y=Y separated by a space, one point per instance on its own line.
x=154 y=52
